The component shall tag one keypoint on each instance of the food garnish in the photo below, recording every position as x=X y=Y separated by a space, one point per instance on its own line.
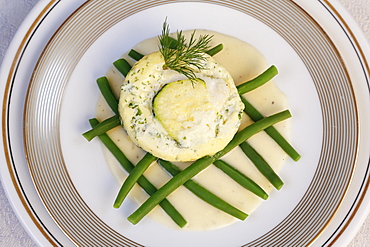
x=181 y=55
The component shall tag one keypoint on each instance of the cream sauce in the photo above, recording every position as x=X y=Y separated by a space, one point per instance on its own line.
x=243 y=62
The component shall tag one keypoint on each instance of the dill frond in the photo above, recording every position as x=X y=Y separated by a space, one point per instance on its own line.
x=182 y=56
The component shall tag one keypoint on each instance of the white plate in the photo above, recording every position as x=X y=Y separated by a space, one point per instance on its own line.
x=50 y=93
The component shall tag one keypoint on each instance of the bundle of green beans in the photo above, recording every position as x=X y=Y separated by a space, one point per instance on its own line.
x=184 y=177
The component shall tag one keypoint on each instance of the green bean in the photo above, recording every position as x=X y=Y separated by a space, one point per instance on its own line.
x=251 y=111
x=122 y=66
x=241 y=179
x=263 y=78
x=255 y=115
x=135 y=55
x=170 y=42
x=203 y=163
x=252 y=129
x=102 y=127
x=132 y=178
x=262 y=165
x=107 y=93
x=142 y=181
x=203 y=193
x=213 y=51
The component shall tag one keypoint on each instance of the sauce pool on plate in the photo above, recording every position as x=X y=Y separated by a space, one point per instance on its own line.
x=243 y=62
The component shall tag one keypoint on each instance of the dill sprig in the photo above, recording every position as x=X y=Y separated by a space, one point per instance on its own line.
x=182 y=56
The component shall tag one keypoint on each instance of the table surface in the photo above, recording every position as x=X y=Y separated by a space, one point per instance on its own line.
x=12 y=13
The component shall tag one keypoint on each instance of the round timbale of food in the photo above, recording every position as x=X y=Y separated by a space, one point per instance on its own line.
x=176 y=118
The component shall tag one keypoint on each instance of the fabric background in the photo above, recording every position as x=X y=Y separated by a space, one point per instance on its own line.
x=12 y=13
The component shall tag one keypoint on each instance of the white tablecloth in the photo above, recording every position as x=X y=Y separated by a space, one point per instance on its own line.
x=12 y=13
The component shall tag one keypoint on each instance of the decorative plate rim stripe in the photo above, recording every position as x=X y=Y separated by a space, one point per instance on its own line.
x=5 y=127
x=311 y=34
x=61 y=91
